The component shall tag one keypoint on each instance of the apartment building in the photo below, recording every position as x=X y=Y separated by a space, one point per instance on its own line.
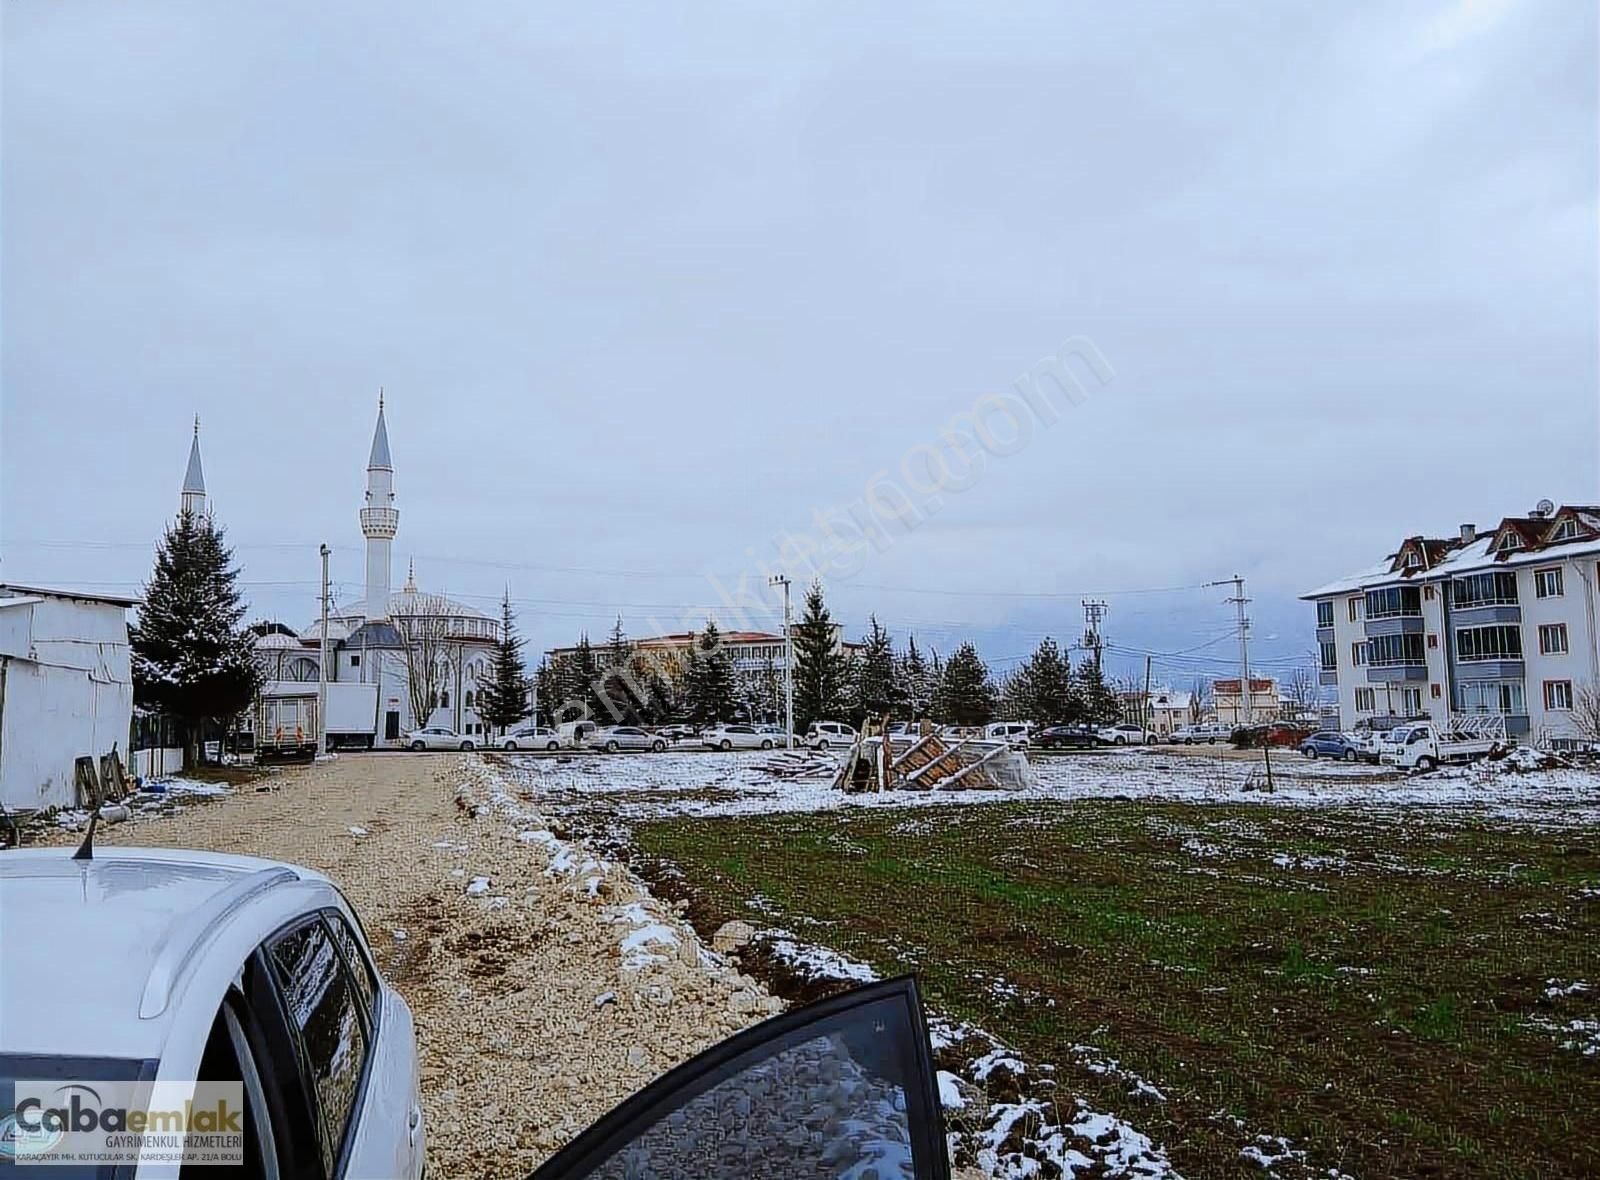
x=1503 y=622
x=1266 y=703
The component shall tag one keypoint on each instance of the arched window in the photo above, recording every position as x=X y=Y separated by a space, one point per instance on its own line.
x=303 y=669
x=468 y=700
x=444 y=699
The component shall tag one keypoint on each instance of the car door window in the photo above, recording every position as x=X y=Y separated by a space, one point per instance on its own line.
x=325 y=1013
x=360 y=967
x=843 y=1088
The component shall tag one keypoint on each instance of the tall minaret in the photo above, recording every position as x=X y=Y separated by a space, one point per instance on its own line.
x=193 y=497
x=379 y=520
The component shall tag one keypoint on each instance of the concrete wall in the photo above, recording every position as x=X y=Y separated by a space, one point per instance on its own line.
x=68 y=692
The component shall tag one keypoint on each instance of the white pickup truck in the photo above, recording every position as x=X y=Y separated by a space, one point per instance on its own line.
x=1422 y=745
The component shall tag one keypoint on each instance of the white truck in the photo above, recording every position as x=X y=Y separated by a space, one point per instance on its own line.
x=1424 y=745
x=286 y=718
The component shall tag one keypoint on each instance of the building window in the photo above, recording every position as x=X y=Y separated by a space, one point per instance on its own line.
x=1358 y=654
x=1492 y=696
x=1497 y=588
x=355 y=661
x=1489 y=643
x=1325 y=613
x=1387 y=651
x=1366 y=700
x=1354 y=608
x=468 y=700
x=1565 y=531
x=1433 y=642
x=1558 y=695
x=1411 y=701
x=1330 y=657
x=1547 y=583
x=444 y=699
x=1427 y=593
x=1434 y=691
x=1394 y=601
x=1553 y=639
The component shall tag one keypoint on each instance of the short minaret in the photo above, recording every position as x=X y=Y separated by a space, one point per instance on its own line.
x=193 y=497
x=380 y=520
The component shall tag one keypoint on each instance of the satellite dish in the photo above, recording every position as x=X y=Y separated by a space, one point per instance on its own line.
x=1544 y=507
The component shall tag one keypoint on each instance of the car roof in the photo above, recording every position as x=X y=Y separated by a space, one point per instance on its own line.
x=95 y=949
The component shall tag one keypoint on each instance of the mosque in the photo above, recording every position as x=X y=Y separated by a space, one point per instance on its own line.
x=429 y=656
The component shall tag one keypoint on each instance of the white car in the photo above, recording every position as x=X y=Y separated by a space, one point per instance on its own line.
x=228 y=968
x=823 y=734
x=1123 y=735
x=437 y=737
x=614 y=739
x=738 y=737
x=1012 y=733
x=532 y=737
x=1209 y=733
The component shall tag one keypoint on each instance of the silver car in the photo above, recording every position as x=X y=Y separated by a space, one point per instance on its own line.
x=437 y=737
x=613 y=739
x=249 y=973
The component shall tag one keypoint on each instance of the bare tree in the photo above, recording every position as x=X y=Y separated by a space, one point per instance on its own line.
x=1586 y=711
x=1199 y=699
x=1305 y=691
x=431 y=652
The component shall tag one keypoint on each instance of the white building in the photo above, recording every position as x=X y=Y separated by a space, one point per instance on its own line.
x=388 y=636
x=1161 y=710
x=1498 y=623
x=66 y=690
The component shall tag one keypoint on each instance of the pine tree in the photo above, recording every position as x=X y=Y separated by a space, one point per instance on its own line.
x=1099 y=701
x=965 y=697
x=820 y=668
x=708 y=679
x=620 y=688
x=548 y=691
x=1046 y=693
x=505 y=702
x=877 y=687
x=918 y=681
x=191 y=659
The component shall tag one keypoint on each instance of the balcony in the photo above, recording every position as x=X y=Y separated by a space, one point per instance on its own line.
x=1479 y=616
x=1396 y=673
x=1395 y=625
x=1328 y=676
x=1496 y=669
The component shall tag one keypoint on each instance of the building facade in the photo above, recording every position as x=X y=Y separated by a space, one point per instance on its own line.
x=1230 y=709
x=1498 y=623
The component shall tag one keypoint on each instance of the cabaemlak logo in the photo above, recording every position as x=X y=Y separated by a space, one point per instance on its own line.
x=85 y=1112
x=116 y=1122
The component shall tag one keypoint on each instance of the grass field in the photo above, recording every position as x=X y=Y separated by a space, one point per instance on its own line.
x=1381 y=988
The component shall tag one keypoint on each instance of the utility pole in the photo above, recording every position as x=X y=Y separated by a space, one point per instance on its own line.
x=1094 y=613
x=322 y=663
x=1144 y=713
x=788 y=662
x=1240 y=601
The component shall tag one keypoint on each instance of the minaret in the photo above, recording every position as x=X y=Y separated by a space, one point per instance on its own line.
x=379 y=520
x=193 y=497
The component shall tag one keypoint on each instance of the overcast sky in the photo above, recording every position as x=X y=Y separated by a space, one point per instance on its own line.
x=648 y=289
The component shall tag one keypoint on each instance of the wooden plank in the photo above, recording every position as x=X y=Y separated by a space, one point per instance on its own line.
x=86 y=782
x=968 y=769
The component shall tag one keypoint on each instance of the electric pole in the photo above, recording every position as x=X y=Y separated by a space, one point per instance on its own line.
x=322 y=664
x=1239 y=601
x=788 y=662
x=1094 y=613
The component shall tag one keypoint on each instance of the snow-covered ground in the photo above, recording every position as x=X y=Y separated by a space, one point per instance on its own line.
x=641 y=786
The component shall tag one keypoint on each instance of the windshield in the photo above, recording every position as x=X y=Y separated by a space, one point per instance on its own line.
x=15 y=1140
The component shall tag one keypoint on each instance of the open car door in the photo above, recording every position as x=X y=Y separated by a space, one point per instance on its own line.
x=842 y=1089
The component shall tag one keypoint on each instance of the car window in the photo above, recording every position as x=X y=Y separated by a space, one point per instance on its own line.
x=322 y=1007
x=360 y=967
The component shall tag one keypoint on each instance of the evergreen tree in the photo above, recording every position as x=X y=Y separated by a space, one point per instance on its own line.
x=708 y=680
x=820 y=668
x=191 y=659
x=878 y=689
x=918 y=681
x=1046 y=694
x=1098 y=700
x=621 y=689
x=548 y=691
x=965 y=696
x=505 y=701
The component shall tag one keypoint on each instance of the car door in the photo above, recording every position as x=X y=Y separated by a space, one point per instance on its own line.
x=843 y=1088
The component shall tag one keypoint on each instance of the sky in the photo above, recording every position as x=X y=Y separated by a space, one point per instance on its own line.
x=652 y=292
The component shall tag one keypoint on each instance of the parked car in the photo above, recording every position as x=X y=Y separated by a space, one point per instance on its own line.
x=1124 y=735
x=1013 y=733
x=1210 y=733
x=677 y=733
x=1330 y=743
x=1275 y=733
x=531 y=737
x=437 y=737
x=575 y=735
x=738 y=737
x=829 y=733
x=615 y=738
x=173 y=965
x=844 y=1087
x=1063 y=737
